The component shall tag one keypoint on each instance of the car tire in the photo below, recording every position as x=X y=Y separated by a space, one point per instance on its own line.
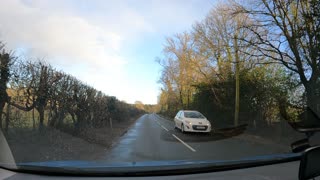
x=182 y=128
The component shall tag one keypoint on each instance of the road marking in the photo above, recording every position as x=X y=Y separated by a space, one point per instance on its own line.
x=157 y=116
x=187 y=145
x=164 y=128
x=193 y=150
x=161 y=125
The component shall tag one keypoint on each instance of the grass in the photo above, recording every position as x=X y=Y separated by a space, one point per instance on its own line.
x=28 y=144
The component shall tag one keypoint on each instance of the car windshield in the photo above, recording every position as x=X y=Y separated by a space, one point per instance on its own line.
x=192 y=114
x=113 y=83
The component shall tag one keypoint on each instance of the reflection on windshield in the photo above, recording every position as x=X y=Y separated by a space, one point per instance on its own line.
x=90 y=92
x=193 y=115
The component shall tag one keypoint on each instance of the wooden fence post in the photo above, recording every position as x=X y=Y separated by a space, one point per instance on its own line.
x=111 y=126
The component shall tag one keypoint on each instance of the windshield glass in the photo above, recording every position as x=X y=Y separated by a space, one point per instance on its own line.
x=192 y=114
x=103 y=81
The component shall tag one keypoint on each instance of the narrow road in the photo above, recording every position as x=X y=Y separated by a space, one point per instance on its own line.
x=153 y=138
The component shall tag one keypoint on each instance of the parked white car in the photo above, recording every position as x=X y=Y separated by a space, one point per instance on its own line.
x=191 y=121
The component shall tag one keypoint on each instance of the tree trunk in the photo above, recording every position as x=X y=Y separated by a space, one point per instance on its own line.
x=41 y=117
x=181 y=99
x=50 y=119
x=1 y=112
x=80 y=120
x=188 y=99
x=237 y=69
x=54 y=116
x=283 y=110
x=7 y=117
x=33 y=120
x=61 y=118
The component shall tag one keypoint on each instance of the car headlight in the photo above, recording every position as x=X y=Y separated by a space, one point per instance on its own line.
x=188 y=122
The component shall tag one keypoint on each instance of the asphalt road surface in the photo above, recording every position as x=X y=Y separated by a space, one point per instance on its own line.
x=153 y=138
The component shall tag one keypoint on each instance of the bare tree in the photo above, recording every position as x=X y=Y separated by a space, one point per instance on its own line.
x=35 y=80
x=288 y=32
x=217 y=41
x=35 y=85
x=179 y=69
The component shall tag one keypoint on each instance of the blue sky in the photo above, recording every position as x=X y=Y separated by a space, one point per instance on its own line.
x=110 y=45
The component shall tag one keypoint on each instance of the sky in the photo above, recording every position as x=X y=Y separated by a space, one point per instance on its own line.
x=110 y=45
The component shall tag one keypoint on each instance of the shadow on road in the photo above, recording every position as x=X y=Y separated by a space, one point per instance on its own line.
x=216 y=135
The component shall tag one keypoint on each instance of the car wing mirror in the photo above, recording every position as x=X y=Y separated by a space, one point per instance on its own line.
x=300 y=146
x=310 y=164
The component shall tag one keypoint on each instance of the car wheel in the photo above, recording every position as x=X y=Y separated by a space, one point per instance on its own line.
x=182 y=128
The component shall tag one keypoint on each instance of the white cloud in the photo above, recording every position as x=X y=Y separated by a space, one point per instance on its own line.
x=88 y=38
x=172 y=16
x=71 y=38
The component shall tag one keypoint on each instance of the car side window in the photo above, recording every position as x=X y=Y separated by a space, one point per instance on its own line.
x=181 y=114
x=178 y=114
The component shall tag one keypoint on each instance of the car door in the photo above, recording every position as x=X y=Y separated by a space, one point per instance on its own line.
x=180 y=119
x=177 y=119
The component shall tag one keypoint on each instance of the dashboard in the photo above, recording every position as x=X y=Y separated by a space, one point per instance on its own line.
x=281 y=171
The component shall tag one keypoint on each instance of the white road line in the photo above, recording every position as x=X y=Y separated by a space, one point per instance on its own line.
x=157 y=116
x=187 y=145
x=164 y=128
x=193 y=150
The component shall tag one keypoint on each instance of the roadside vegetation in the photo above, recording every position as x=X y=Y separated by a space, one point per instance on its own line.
x=38 y=100
x=34 y=94
x=254 y=63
